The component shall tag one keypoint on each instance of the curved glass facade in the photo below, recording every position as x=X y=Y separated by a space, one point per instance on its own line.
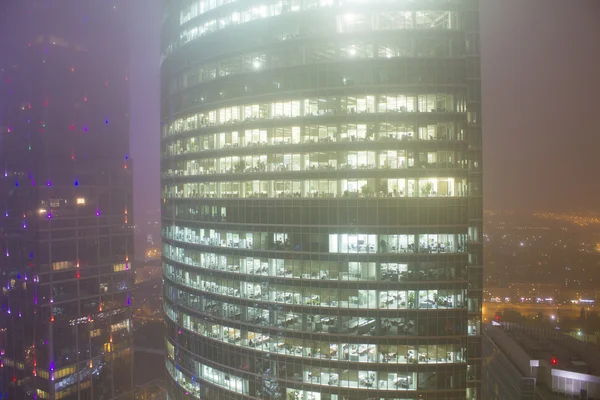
x=321 y=184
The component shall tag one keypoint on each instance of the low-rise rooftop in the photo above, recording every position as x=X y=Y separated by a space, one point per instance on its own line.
x=559 y=363
x=562 y=351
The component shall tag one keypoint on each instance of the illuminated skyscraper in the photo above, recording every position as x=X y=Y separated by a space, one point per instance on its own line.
x=322 y=212
x=66 y=205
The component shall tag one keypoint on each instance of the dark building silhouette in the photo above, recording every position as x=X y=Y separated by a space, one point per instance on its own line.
x=322 y=213
x=66 y=229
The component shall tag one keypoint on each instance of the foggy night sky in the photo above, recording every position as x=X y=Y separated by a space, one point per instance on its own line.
x=541 y=88
x=541 y=81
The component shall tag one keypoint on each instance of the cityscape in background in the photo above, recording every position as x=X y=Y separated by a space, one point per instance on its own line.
x=542 y=273
x=303 y=183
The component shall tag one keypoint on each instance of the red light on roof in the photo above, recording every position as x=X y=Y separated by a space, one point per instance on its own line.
x=554 y=361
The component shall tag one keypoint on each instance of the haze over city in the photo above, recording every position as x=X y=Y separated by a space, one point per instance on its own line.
x=540 y=82
x=299 y=199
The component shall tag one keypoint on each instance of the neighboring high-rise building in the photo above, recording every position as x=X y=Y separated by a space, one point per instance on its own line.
x=66 y=234
x=322 y=212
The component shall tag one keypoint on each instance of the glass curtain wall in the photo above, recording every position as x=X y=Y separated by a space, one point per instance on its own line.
x=321 y=186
